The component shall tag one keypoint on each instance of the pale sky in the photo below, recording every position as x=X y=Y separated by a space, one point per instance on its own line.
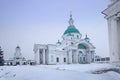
x=26 y=22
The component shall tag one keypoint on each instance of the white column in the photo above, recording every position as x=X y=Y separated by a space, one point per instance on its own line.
x=113 y=40
x=37 y=57
x=70 y=57
x=118 y=38
x=110 y=38
x=76 y=57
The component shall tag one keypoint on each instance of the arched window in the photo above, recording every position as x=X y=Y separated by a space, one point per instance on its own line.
x=57 y=59
x=81 y=46
x=80 y=51
x=64 y=59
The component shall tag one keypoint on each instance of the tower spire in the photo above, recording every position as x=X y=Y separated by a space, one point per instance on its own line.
x=70 y=14
x=71 y=21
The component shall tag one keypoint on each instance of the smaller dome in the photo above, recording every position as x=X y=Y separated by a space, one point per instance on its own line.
x=87 y=38
x=58 y=42
x=18 y=47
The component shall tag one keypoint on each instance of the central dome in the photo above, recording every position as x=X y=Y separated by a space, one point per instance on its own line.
x=71 y=29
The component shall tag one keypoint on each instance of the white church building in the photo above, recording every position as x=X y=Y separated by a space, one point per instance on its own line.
x=72 y=49
x=17 y=59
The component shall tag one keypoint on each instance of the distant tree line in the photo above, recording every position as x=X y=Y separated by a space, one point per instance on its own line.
x=1 y=57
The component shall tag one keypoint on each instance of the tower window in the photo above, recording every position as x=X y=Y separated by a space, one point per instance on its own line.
x=57 y=59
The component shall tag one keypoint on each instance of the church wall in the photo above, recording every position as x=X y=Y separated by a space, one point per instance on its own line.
x=54 y=54
x=61 y=57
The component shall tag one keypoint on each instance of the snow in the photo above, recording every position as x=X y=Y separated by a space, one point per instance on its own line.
x=58 y=72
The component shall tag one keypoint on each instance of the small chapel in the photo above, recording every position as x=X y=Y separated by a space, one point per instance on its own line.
x=17 y=59
x=72 y=49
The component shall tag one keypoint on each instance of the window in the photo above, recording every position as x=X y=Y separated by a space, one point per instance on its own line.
x=72 y=43
x=80 y=51
x=77 y=36
x=64 y=59
x=57 y=59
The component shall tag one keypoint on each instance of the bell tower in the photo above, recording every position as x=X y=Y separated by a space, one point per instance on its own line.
x=17 y=53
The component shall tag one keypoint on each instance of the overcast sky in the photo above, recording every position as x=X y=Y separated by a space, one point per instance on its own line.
x=26 y=22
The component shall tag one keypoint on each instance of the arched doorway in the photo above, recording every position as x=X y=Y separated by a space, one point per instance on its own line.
x=80 y=57
x=74 y=56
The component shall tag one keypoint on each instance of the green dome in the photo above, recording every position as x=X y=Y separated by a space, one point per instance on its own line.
x=17 y=47
x=87 y=38
x=58 y=42
x=71 y=30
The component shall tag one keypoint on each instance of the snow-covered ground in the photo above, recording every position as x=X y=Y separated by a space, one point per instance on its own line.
x=58 y=72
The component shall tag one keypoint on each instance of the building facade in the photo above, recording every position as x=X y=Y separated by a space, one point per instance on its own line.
x=71 y=49
x=113 y=18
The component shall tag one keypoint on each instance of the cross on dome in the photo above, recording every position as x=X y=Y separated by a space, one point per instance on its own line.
x=71 y=21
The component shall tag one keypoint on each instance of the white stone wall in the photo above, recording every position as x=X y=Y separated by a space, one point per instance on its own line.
x=113 y=16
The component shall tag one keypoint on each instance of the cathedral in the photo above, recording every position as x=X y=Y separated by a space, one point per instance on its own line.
x=72 y=49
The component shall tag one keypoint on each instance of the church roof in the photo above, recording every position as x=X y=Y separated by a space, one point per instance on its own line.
x=71 y=28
